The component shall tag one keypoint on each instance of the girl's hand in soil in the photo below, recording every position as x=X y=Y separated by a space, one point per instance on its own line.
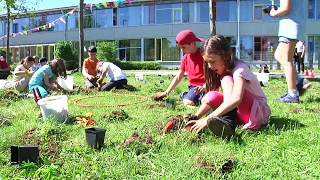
x=197 y=125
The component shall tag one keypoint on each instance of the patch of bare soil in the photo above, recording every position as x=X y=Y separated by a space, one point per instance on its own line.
x=314 y=110
x=211 y=167
x=47 y=146
x=296 y=110
x=147 y=139
x=138 y=144
x=161 y=105
x=119 y=115
x=9 y=95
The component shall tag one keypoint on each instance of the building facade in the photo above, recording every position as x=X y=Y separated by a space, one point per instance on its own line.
x=145 y=30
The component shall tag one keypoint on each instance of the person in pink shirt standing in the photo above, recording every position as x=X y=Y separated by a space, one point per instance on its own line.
x=192 y=64
x=242 y=100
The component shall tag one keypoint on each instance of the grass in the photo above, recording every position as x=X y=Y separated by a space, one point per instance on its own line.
x=287 y=148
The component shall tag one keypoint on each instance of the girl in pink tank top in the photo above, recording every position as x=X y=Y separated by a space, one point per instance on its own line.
x=241 y=101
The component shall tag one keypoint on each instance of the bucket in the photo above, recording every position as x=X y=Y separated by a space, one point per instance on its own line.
x=56 y=106
x=67 y=83
x=95 y=137
x=4 y=84
x=263 y=78
x=171 y=103
x=139 y=77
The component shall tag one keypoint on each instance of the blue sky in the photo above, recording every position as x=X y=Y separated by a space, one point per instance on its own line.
x=49 y=4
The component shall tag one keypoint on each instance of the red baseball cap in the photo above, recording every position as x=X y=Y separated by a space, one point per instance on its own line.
x=187 y=37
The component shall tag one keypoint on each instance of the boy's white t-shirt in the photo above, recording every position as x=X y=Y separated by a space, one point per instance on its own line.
x=114 y=72
x=35 y=67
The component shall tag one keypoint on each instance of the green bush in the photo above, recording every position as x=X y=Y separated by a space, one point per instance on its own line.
x=107 y=51
x=65 y=50
x=138 y=65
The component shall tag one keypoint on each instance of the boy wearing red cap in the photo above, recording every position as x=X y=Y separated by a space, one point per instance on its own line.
x=192 y=64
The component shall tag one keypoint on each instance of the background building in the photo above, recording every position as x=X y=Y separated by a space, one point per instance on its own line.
x=146 y=30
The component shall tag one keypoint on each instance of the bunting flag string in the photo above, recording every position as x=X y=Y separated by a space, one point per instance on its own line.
x=86 y=6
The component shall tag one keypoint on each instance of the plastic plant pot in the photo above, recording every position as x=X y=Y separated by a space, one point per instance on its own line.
x=20 y=154
x=171 y=103
x=95 y=137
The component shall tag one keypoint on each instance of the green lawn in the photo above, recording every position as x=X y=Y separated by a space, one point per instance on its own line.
x=287 y=148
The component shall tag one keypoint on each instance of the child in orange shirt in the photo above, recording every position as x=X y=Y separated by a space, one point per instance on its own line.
x=89 y=68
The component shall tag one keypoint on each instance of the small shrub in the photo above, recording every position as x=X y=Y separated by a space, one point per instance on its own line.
x=107 y=51
x=65 y=50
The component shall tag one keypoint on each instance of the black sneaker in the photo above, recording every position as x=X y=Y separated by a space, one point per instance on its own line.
x=220 y=128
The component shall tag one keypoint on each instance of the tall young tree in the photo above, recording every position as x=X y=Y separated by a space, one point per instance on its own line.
x=81 y=36
x=213 y=16
x=22 y=6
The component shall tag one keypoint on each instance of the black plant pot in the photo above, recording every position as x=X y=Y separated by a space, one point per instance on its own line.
x=20 y=154
x=95 y=137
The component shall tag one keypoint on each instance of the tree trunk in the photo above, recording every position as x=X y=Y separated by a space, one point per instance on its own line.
x=8 y=35
x=81 y=36
x=212 y=5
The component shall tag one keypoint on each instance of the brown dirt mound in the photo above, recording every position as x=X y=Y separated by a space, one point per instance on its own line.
x=161 y=105
x=9 y=95
x=116 y=115
x=47 y=147
x=209 y=166
x=147 y=139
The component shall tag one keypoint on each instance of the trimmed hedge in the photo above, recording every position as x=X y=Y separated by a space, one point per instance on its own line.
x=138 y=65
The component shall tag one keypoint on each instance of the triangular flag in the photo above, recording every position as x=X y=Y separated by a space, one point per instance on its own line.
x=91 y=7
x=111 y=4
x=61 y=19
x=129 y=1
x=105 y=4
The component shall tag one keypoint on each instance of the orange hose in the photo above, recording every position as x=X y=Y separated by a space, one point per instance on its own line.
x=144 y=99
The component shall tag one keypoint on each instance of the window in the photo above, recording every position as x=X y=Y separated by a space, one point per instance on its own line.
x=258 y=13
x=317 y=9
x=149 y=49
x=246 y=11
x=149 y=13
x=56 y=24
x=246 y=48
x=15 y=28
x=311 y=10
x=227 y=11
x=176 y=15
x=129 y=50
x=187 y=12
x=71 y=21
x=168 y=13
x=130 y=16
x=104 y=18
x=170 y=51
x=203 y=12
x=115 y=16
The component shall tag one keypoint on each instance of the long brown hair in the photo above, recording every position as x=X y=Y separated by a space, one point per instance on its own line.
x=217 y=45
x=28 y=58
x=58 y=67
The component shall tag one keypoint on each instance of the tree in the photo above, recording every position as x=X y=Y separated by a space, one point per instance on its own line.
x=107 y=51
x=22 y=6
x=213 y=5
x=65 y=50
x=81 y=36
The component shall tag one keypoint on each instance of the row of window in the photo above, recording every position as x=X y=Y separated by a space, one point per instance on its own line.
x=252 y=48
x=152 y=13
